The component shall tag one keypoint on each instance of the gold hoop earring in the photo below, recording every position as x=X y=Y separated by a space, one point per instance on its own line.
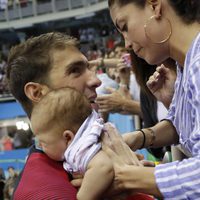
x=155 y=36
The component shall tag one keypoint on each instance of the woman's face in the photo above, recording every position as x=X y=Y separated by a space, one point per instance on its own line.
x=130 y=21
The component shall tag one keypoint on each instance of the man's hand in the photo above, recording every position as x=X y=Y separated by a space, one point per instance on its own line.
x=77 y=180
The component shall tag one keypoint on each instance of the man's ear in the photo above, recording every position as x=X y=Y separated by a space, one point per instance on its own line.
x=68 y=136
x=156 y=7
x=35 y=91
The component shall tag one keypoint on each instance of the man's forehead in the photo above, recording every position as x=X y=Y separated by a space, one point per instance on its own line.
x=68 y=56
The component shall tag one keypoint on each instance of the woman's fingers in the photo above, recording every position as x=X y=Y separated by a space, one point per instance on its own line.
x=114 y=157
x=147 y=163
x=139 y=156
x=120 y=150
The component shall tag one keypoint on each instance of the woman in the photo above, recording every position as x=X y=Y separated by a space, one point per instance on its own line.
x=157 y=30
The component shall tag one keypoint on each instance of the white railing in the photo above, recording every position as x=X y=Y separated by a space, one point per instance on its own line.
x=34 y=11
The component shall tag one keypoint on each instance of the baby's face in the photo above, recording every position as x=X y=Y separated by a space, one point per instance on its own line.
x=53 y=145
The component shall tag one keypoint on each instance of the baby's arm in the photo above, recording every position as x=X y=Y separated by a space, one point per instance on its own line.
x=97 y=178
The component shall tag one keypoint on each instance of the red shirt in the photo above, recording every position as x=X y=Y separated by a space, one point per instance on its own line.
x=43 y=179
x=140 y=196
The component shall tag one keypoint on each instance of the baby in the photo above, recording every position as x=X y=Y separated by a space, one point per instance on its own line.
x=69 y=130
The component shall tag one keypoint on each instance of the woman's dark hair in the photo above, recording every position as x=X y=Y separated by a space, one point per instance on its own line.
x=140 y=3
x=142 y=72
x=188 y=10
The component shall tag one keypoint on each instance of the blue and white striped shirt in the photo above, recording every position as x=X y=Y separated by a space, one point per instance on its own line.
x=181 y=179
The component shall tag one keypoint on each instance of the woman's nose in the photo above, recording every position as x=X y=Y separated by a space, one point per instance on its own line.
x=128 y=44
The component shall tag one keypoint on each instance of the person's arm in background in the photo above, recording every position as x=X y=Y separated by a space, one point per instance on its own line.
x=105 y=62
x=118 y=102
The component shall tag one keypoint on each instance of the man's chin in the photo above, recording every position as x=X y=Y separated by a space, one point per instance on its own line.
x=95 y=106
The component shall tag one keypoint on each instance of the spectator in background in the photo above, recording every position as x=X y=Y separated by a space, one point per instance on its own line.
x=2 y=183
x=7 y=143
x=122 y=75
x=10 y=183
x=3 y=83
x=22 y=139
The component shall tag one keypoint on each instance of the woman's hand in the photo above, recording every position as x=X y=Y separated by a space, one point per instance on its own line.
x=129 y=174
x=122 y=157
x=114 y=145
x=161 y=84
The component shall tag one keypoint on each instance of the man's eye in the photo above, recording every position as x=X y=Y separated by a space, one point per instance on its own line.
x=76 y=70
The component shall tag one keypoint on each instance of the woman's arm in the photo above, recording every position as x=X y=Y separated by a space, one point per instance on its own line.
x=164 y=134
x=129 y=176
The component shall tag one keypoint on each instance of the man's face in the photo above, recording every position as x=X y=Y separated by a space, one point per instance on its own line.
x=70 y=68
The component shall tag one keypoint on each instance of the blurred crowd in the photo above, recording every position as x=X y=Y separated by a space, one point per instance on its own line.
x=4 y=91
x=16 y=140
x=7 y=183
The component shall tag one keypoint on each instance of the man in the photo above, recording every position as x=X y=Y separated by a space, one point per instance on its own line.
x=35 y=67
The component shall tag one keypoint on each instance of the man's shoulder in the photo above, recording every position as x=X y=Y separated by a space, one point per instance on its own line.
x=44 y=177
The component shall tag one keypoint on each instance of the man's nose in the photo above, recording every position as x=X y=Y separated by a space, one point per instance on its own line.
x=93 y=81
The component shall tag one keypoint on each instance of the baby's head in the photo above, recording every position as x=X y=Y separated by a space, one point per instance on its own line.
x=57 y=117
